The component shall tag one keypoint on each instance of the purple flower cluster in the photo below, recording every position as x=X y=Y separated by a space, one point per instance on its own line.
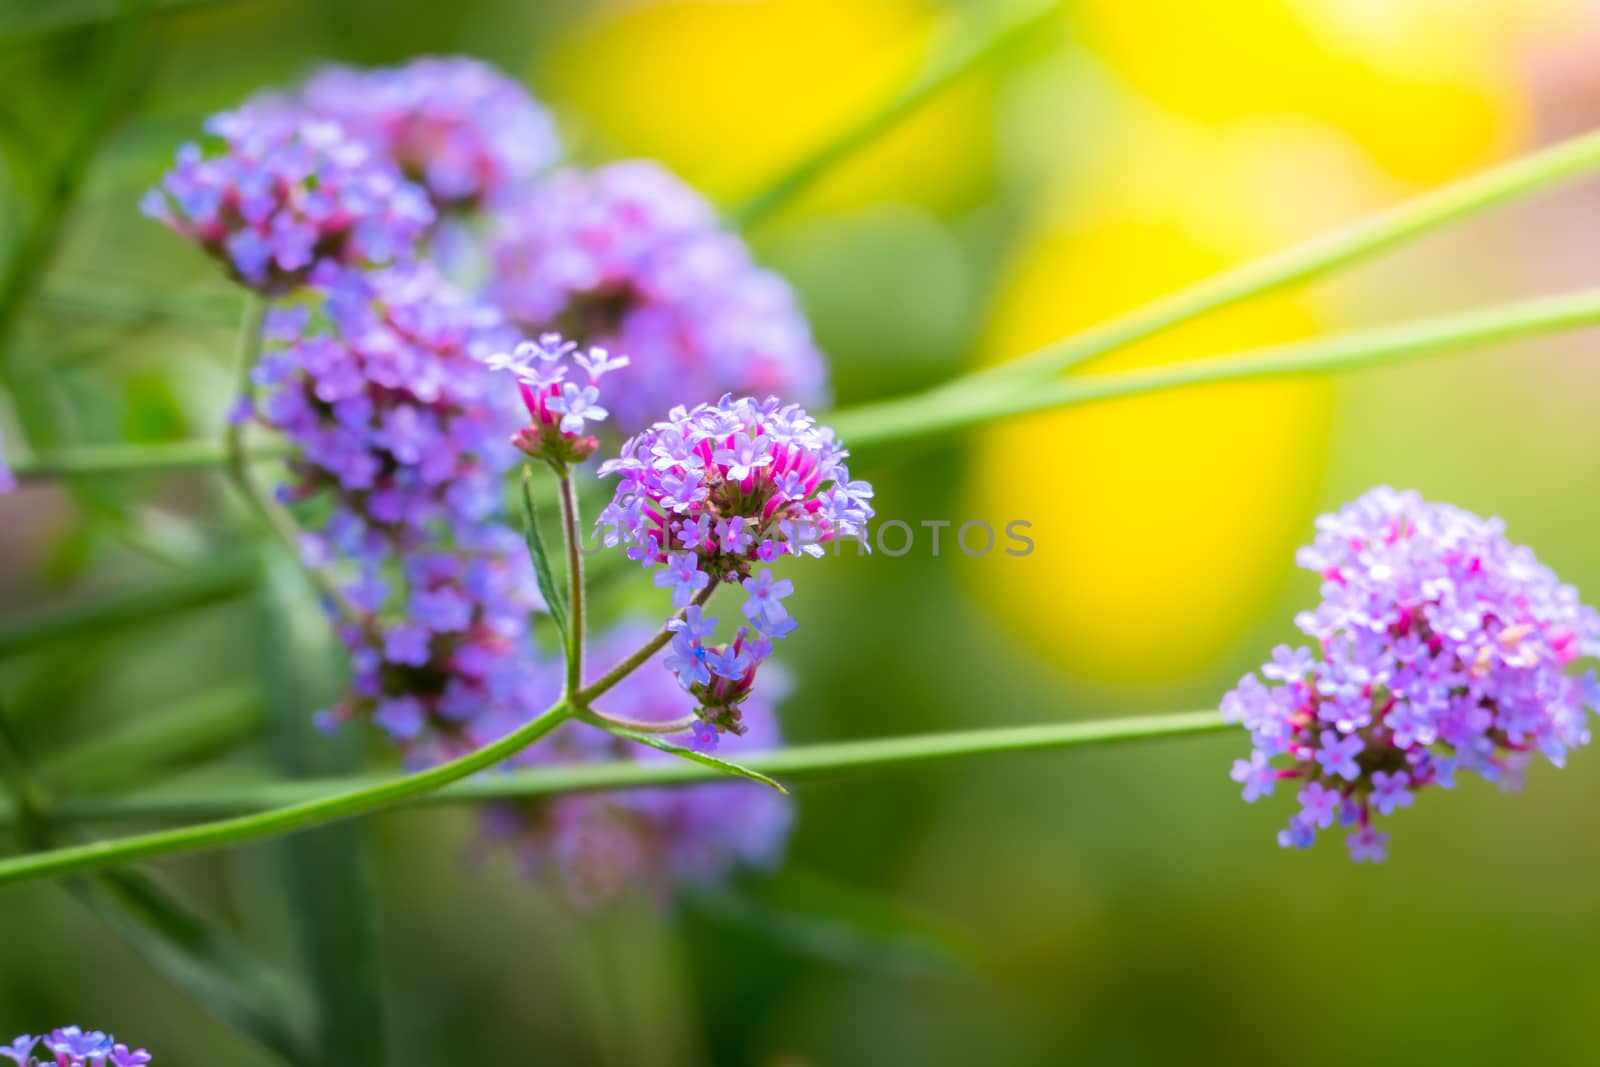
x=1440 y=647
x=8 y=481
x=601 y=843
x=287 y=195
x=461 y=128
x=709 y=494
x=630 y=258
x=72 y=1046
x=400 y=433
x=559 y=409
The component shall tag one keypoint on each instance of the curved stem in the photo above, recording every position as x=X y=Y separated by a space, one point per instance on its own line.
x=570 y=532
x=213 y=799
x=673 y=726
x=648 y=649
x=299 y=816
x=1359 y=240
x=938 y=412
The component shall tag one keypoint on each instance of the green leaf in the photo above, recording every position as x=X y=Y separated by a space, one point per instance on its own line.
x=204 y=962
x=326 y=874
x=656 y=741
x=822 y=918
x=541 y=559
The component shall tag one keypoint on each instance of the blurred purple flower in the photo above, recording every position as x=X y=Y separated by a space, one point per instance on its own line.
x=630 y=258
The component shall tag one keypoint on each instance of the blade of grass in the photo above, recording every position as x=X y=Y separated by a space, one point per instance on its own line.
x=220 y=582
x=938 y=413
x=327 y=873
x=1360 y=240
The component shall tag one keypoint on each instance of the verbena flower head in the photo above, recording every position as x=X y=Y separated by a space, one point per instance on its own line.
x=561 y=408
x=717 y=492
x=459 y=127
x=600 y=844
x=400 y=433
x=1439 y=647
x=630 y=258
x=285 y=194
x=72 y=1046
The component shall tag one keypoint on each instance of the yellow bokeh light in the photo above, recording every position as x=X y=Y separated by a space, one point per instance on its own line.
x=730 y=94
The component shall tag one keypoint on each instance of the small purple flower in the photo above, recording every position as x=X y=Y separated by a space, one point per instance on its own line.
x=1319 y=805
x=1338 y=754
x=684 y=576
x=20 y=1049
x=764 y=607
x=575 y=405
x=694 y=625
x=1289 y=664
x=1256 y=774
x=402 y=718
x=407 y=645
x=689 y=660
x=1389 y=791
x=8 y=481
x=1299 y=834
x=1367 y=845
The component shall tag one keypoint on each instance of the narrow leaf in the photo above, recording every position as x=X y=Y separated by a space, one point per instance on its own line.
x=326 y=877
x=819 y=917
x=541 y=559
x=656 y=741
x=203 y=961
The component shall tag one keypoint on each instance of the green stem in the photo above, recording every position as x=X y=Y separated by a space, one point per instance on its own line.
x=98 y=855
x=1367 y=237
x=968 y=49
x=644 y=652
x=160 y=458
x=941 y=412
x=140 y=606
x=571 y=532
x=799 y=762
x=675 y=726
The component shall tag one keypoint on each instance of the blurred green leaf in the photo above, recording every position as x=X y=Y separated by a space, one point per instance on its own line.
x=194 y=955
x=821 y=918
x=541 y=559
x=210 y=966
x=327 y=871
x=125 y=755
x=142 y=606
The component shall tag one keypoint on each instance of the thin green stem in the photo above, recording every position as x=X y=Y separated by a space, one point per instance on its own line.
x=123 y=459
x=621 y=722
x=965 y=49
x=644 y=652
x=800 y=762
x=1367 y=237
x=571 y=532
x=937 y=413
x=223 y=833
